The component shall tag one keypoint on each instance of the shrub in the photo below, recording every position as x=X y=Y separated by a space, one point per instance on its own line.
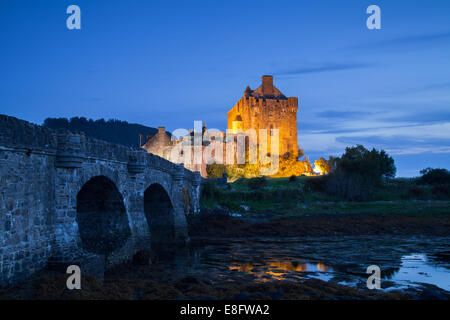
x=317 y=184
x=322 y=165
x=441 y=191
x=215 y=170
x=289 y=165
x=292 y=178
x=359 y=171
x=257 y=183
x=435 y=176
x=209 y=190
x=416 y=192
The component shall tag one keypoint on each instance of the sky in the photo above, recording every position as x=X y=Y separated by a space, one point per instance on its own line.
x=168 y=63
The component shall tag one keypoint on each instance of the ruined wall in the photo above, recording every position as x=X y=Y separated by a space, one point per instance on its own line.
x=42 y=172
x=159 y=144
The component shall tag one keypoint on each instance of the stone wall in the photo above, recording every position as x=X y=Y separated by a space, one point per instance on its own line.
x=27 y=156
x=41 y=174
x=266 y=111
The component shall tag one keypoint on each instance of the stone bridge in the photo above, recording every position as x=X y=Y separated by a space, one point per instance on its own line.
x=67 y=198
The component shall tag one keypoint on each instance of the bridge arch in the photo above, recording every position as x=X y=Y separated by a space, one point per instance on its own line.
x=160 y=214
x=69 y=172
x=101 y=216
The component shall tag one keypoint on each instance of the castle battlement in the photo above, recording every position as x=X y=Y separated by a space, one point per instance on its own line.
x=267 y=108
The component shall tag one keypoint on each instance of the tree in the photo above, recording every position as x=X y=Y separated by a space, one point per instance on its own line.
x=290 y=165
x=114 y=131
x=359 y=171
x=435 y=176
x=374 y=163
x=215 y=170
x=322 y=165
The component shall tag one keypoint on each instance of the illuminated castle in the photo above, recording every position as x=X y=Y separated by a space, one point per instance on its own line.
x=263 y=108
x=267 y=108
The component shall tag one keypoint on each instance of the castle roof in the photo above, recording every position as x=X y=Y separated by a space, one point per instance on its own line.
x=161 y=138
x=266 y=90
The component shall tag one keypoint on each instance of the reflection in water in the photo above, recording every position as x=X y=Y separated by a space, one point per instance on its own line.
x=278 y=269
x=342 y=261
x=415 y=268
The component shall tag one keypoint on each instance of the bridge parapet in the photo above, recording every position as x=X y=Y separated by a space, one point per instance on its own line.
x=72 y=148
x=15 y=133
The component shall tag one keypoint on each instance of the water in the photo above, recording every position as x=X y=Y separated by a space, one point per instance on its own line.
x=404 y=262
x=416 y=268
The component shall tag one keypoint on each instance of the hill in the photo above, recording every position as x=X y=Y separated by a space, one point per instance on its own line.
x=114 y=131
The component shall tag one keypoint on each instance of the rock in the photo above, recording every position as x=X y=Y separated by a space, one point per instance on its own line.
x=217 y=212
x=432 y=292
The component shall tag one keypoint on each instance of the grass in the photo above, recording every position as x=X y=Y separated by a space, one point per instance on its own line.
x=280 y=197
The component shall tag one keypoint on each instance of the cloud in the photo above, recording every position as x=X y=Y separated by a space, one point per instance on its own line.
x=421 y=117
x=413 y=40
x=433 y=37
x=401 y=139
x=348 y=114
x=326 y=67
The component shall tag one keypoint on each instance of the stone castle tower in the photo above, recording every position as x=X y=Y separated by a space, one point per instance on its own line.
x=267 y=108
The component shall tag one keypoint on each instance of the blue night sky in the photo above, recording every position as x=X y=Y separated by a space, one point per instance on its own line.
x=172 y=62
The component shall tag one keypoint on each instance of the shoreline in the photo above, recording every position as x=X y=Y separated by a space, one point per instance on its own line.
x=319 y=225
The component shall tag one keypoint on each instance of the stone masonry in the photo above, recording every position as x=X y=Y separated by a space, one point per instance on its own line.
x=267 y=108
x=43 y=213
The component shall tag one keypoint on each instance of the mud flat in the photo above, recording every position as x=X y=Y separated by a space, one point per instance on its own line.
x=266 y=268
x=319 y=225
x=271 y=257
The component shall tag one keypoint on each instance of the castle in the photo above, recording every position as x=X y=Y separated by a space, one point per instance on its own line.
x=263 y=108
x=267 y=108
